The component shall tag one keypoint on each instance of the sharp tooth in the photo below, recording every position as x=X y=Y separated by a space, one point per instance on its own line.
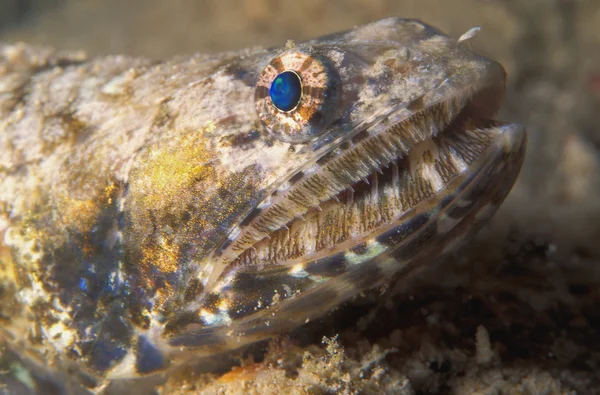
x=374 y=186
x=379 y=171
x=366 y=181
x=318 y=208
x=349 y=197
x=395 y=176
x=336 y=198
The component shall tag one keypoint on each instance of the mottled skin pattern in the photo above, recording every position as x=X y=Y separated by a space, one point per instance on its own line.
x=152 y=213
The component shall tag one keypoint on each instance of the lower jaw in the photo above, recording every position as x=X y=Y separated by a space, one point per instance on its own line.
x=267 y=296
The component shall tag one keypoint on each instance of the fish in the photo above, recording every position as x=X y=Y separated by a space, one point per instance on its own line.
x=155 y=213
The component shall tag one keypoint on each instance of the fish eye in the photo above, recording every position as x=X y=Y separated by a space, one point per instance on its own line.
x=286 y=91
x=296 y=96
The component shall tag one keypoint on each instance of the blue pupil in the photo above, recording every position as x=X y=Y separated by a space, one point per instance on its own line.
x=286 y=91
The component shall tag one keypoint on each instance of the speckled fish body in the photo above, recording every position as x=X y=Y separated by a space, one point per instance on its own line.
x=152 y=213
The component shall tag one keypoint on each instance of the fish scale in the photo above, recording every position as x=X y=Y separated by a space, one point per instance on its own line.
x=158 y=213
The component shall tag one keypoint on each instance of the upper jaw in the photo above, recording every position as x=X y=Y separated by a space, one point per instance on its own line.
x=385 y=137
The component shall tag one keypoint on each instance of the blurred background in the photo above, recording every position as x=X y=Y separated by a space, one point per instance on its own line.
x=536 y=266
x=550 y=49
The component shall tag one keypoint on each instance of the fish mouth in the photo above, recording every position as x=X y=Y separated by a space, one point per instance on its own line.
x=400 y=192
x=378 y=177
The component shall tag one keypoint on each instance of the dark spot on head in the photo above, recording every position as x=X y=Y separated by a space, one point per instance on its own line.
x=306 y=64
x=296 y=177
x=325 y=158
x=148 y=358
x=261 y=92
x=244 y=140
x=317 y=117
x=345 y=145
x=253 y=214
x=178 y=324
x=277 y=64
x=360 y=136
x=446 y=200
x=236 y=71
x=269 y=142
x=111 y=342
x=328 y=267
x=359 y=249
x=417 y=105
x=211 y=300
x=186 y=216
x=105 y=355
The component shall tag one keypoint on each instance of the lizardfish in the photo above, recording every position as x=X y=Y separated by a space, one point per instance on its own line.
x=156 y=212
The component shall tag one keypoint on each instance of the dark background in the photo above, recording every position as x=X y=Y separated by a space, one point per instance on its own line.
x=531 y=277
